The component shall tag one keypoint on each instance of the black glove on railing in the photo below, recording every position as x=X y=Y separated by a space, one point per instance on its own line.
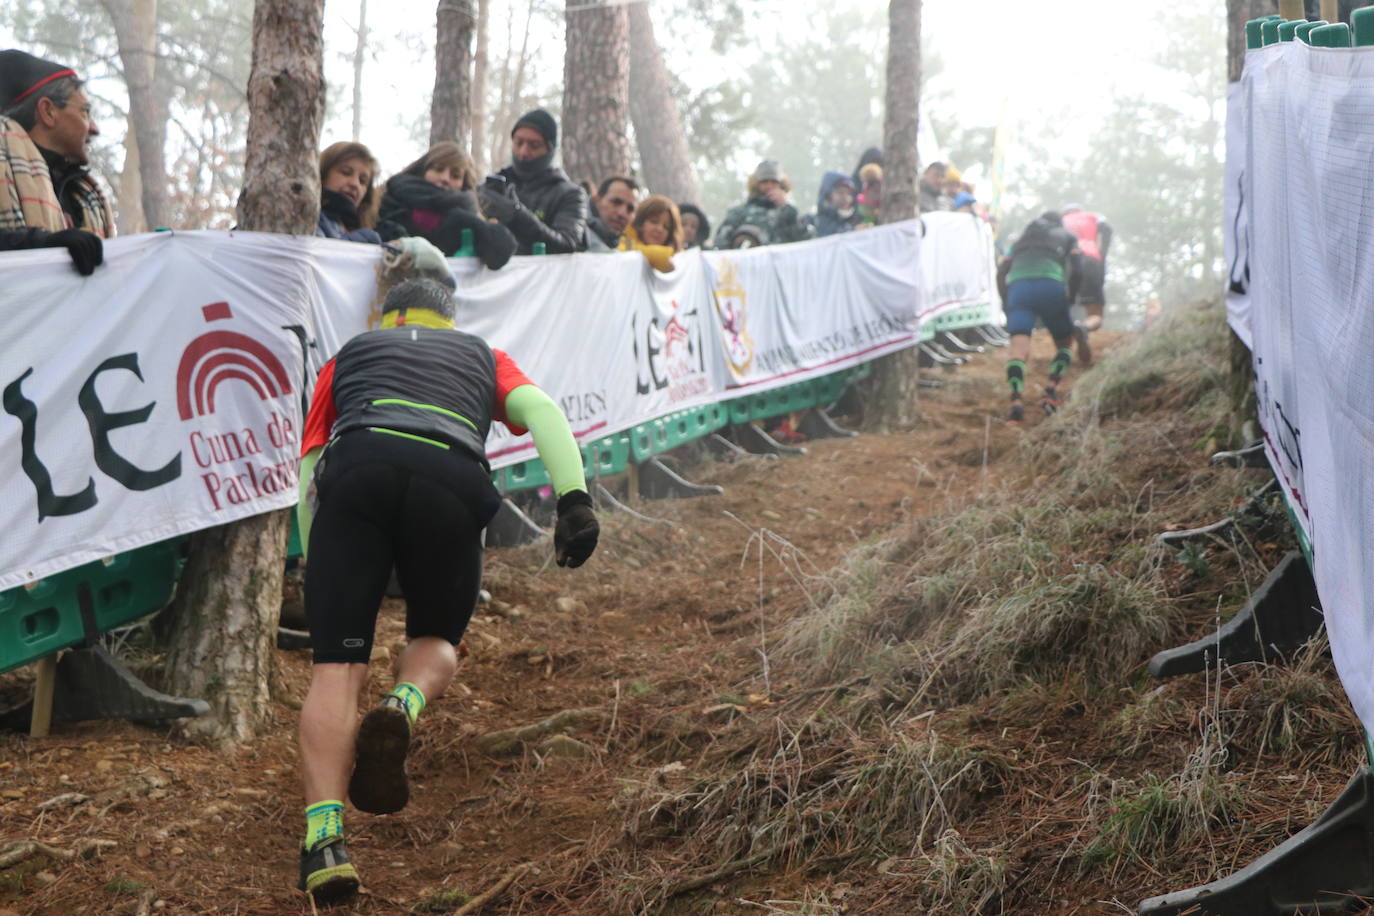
x=576 y=532
x=85 y=248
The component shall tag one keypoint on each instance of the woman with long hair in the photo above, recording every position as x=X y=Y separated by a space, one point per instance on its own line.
x=348 y=200
x=435 y=198
x=656 y=232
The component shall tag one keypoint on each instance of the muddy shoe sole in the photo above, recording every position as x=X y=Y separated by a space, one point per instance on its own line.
x=379 y=784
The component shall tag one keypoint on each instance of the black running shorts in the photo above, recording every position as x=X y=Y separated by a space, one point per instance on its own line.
x=389 y=500
x=1090 y=286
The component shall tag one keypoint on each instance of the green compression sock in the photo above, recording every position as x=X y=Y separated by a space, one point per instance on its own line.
x=1016 y=377
x=323 y=820
x=411 y=697
x=1060 y=364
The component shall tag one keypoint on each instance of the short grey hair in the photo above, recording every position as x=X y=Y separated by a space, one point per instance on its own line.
x=59 y=90
x=420 y=294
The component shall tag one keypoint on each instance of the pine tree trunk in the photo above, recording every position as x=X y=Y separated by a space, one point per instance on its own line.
x=135 y=24
x=896 y=380
x=596 y=91
x=480 y=65
x=359 y=57
x=224 y=619
x=451 y=108
x=662 y=143
x=129 y=207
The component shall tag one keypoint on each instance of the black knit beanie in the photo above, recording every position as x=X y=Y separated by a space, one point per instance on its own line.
x=542 y=121
x=21 y=74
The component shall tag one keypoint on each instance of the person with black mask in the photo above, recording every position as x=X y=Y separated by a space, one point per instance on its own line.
x=48 y=198
x=434 y=198
x=534 y=198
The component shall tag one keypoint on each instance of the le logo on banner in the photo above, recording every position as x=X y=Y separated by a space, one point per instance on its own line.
x=227 y=458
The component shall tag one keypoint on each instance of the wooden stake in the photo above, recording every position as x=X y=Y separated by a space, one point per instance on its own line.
x=1293 y=9
x=43 y=687
x=1331 y=11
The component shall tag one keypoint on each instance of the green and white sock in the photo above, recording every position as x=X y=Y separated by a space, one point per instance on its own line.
x=411 y=698
x=1016 y=377
x=323 y=820
x=1060 y=364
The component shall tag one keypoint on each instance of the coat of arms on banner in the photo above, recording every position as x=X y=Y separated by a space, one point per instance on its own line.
x=734 y=323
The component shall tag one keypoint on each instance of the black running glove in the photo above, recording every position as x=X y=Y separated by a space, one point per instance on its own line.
x=576 y=532
x=85 y=248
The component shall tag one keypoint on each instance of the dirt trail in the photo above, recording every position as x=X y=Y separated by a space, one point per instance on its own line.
x=658 y=636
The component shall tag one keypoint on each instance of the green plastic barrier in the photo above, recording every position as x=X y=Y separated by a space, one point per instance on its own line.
x=609 y=456
x=1304 y=31
x=42 y=618
x=1288 y=30
x=1362 y=24
x=1269 y=32
x=1253 y=39
x=1330 y=36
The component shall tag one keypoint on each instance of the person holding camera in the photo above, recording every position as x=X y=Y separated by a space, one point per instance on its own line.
x=534 y=198
x=434 y=198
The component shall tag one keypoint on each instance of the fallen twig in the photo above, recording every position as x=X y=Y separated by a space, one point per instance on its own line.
x=18 y=852
x=496 y=890
x=725 y=871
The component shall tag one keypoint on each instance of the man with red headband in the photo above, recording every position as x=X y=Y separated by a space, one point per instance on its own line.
x=48 y=198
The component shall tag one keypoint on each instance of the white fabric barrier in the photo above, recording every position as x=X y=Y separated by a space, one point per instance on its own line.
x=1309 y=130
x=958 y=264
x=163 y=394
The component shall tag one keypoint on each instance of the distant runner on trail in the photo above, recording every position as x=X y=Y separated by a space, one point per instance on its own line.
x=1039 y=280
x=1094 y=236
x=394 y=448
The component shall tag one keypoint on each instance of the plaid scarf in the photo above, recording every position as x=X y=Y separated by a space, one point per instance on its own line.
x=27 y=197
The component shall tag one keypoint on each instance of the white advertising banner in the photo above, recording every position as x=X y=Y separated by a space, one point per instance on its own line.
x=791 y=312
x=159 y=396
x=958 y=263
x=163 y=394
x=1236 y=214
x=1311 y=127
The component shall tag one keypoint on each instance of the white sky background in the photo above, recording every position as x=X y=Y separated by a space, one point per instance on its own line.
x=1037 y=60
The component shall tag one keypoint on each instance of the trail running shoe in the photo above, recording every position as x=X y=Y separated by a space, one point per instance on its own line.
x=379 y=785
x=326 y=874
x=1050 y=402
x=1018 y=414
x=1085 y=350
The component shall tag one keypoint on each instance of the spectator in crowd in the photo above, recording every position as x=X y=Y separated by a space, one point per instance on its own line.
x=873 y=156
x=434 y=198
x=348 y=201
x=836 y=208
x=1039 y=280
x=931 y=195
x=613 y=205
x=48 y=198
x=656 y=232
x=532 y=197
x=405 y=484
x=954 y=184
x=767 y=217
x=696 y=228
x=1094 y=236
x=963 y=202
x=870 y=197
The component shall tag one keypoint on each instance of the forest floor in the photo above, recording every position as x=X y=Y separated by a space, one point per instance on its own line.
x=662 y=655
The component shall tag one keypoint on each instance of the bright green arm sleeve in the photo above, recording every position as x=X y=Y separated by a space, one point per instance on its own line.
x=304 y=515
x=530 y=407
